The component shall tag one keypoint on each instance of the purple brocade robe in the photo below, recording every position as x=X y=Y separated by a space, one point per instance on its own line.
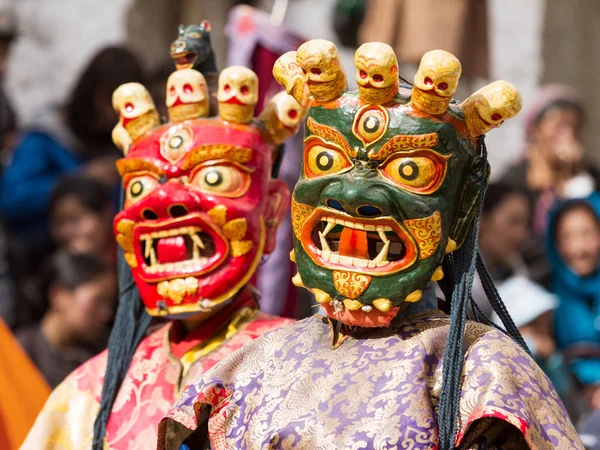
x=289 y=389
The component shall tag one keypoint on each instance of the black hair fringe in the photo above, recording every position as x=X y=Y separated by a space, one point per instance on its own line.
x=460 y=268
x=130 y=327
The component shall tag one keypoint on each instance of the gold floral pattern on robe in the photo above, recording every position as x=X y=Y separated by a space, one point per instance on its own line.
x=379 y=390
x=148 y=391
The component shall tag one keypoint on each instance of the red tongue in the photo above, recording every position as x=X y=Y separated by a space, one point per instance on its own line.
x=354 y=243
x=171 y=249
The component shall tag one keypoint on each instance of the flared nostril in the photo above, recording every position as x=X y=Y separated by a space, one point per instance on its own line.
x=148 y=214
x=369 y=211
x=335 y=205
x=177 y=211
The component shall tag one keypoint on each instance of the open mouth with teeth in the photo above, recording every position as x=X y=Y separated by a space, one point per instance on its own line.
x=430 y=98
x=371 y=246
x=184 y=247
x=184 y=60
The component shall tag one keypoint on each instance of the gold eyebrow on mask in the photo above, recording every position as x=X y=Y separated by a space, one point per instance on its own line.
x=128 y=165
x=329 y=134
x=404 y=142
x=204 y=153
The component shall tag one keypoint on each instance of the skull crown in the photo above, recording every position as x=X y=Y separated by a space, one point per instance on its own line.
x=314 y=75
x=187 y=98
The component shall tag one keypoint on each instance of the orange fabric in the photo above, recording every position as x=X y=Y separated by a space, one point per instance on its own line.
x=23 y=391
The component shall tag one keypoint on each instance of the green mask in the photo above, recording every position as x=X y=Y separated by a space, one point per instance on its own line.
x=389 y=185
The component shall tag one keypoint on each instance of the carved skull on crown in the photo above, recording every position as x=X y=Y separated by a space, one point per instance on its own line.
x=237 y=94
x=436 y=81
x=282 y=117
x=187 y=95
x=376 y=72
x=490 y=106
x=136 y=110
x=320 y=62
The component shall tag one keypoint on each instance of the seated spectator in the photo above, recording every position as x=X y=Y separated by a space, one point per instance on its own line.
x=81 y=217
x=64 y=139
x=554 y=165
x=81 y=293
x=574 y=253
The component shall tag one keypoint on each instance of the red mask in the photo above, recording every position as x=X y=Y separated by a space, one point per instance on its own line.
x=200 y=211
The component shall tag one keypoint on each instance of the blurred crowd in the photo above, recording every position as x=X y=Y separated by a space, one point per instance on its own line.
x=59 y=189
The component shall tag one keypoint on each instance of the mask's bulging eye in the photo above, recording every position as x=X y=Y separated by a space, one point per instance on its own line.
x=323 y=159
x=138 y=188
x=421 y=172
x=224 y=180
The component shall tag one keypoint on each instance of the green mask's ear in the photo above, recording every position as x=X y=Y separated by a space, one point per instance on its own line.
x=471 y=196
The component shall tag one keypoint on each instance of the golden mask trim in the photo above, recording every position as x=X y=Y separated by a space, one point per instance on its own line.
x=427 y=232
x=204 y=153
x=403 y=142
x=329 y=134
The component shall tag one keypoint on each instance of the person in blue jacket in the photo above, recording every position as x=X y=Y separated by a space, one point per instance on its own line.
x=574 y=253
x=64 y=139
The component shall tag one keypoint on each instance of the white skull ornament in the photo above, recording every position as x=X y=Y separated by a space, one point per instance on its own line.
x=436 y=81
x=376 y=72
x=136 y=110
x=490 y=106
x=320 y=62
x=282 y=117
x=237 y=94
x=187 y=95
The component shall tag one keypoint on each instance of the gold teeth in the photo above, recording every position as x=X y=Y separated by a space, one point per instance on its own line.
x=125 y=226
x=414 y=296
x=451 y=245
x=438 y=274
x=352 y=305
x=382 y=304
x=293 y=256
x=235 y=229
x=177 y=288
x=320 y=296
x=126 y=242
x=297 y=280
x=131 y=260
x=170 y=233
x=125 y=235
x=218 y=214
x=240 y=248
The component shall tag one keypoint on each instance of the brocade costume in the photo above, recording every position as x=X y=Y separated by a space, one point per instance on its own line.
x=156 y=375
x=378 y=389
x=388 y=202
